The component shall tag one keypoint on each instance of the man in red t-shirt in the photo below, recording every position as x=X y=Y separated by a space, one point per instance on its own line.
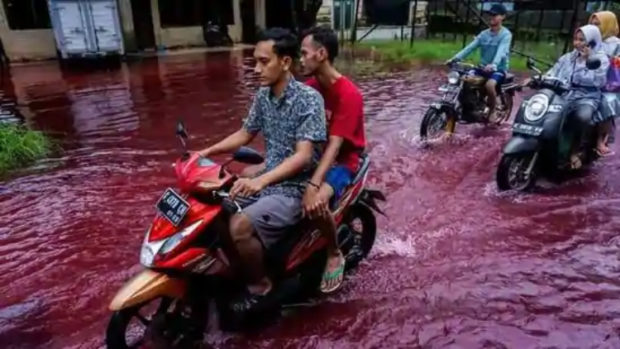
x=345 y=116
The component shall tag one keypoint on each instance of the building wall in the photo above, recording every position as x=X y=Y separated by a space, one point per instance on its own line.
x=178 y=37
x=190 y=36
x=26 y=44
x=36 y=44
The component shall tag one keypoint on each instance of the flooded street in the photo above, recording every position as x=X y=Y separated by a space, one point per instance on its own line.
x=456 y=264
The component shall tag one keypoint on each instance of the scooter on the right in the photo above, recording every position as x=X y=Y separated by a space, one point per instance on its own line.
x=541 y=142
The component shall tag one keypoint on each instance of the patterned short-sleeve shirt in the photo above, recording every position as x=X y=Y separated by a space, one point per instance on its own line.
x=297 y=115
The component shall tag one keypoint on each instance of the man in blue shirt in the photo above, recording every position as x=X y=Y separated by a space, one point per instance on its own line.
x=494 y=44
x=291 y=117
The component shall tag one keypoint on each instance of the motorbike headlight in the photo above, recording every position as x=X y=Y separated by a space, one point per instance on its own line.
x=453 y=78
x=536 y=107
x=176 y=239
x=146 y=255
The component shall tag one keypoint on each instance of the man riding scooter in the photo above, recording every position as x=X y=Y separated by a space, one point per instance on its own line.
x=291 y=117
x=494 y=44
x=586 y=85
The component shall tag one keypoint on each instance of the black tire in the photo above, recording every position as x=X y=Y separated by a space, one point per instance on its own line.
x=356 y=243
x=116 y=332
x=511 y=172
x=507 y=100
x=434 y=124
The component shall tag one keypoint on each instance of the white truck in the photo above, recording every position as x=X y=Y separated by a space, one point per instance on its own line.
x=86 y=28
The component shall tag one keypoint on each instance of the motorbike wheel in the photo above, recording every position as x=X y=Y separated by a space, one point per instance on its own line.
x=507 y=102
x=435 y=123
x=511 y=173
x=130 y=328
x=357 y=236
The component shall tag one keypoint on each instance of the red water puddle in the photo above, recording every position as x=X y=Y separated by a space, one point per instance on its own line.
x=456 y=264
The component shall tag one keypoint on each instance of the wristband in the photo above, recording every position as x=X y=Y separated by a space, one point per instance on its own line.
x=314 y=185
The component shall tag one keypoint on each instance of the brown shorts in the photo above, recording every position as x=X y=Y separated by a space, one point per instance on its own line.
x=272 y=217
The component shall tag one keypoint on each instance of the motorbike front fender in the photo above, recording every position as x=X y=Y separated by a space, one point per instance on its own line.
x=519 y=144
x=145 y=286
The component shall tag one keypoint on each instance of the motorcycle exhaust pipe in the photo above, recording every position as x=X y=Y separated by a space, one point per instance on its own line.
x=146 y=286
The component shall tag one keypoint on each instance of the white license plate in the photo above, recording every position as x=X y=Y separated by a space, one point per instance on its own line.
x=173 y=207
x=529 y=130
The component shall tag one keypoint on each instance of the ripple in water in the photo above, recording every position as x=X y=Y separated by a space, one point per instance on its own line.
x=456 y=264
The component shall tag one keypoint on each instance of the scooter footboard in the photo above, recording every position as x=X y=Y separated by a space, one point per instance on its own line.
x=519 y=144
x=145 y=286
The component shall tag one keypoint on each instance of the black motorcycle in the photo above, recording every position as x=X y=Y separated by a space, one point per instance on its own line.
x=542 y=139
x=463 y=101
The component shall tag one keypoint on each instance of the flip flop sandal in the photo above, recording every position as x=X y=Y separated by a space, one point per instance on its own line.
x=329 y=278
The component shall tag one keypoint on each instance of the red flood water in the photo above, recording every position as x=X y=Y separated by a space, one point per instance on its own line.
x=456 y=264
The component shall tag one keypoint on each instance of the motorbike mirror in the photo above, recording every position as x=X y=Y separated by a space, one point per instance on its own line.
x=181 y=132
x=593 y=63
x=248 y=155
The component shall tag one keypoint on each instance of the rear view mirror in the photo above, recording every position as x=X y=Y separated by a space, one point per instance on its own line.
x=593 y=63
x=181 y=132
x=248 y=155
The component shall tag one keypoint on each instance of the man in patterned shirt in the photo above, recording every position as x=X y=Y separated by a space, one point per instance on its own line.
x=291 y=117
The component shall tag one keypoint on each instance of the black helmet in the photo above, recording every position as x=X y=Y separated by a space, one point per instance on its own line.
x=497 y=9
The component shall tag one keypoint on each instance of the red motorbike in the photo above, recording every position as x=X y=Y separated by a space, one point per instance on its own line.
x=187 y=271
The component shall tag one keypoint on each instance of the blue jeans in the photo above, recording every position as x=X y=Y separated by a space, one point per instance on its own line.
x=498 y=76
x=339 y=178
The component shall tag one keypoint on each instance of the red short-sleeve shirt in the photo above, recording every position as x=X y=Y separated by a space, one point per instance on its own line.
x=344 y=109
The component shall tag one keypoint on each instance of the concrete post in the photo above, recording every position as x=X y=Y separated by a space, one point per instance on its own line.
x=237 y=32
x=156 y=24
x=126 y=17
x=4 y=22
x=260 y=12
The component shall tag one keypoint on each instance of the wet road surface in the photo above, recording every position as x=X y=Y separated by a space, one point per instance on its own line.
x=456 y=264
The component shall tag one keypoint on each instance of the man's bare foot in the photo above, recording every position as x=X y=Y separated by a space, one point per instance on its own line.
x=575 y=162
x=446 y=136
x=493 y=117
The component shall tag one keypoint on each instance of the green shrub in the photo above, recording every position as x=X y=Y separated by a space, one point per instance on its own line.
x=427 y=51
x=20 y=146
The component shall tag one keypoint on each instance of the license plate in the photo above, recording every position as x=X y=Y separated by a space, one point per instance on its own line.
x=529 y=130
x=173 y=207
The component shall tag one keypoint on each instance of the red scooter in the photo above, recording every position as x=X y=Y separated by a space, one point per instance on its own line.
x=186 y=267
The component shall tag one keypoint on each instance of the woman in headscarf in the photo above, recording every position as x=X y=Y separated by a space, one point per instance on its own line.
x=607 y=22
x=586 y=85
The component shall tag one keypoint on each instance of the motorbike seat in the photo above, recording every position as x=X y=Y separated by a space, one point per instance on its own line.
x=277 y=256
x=364 y=164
